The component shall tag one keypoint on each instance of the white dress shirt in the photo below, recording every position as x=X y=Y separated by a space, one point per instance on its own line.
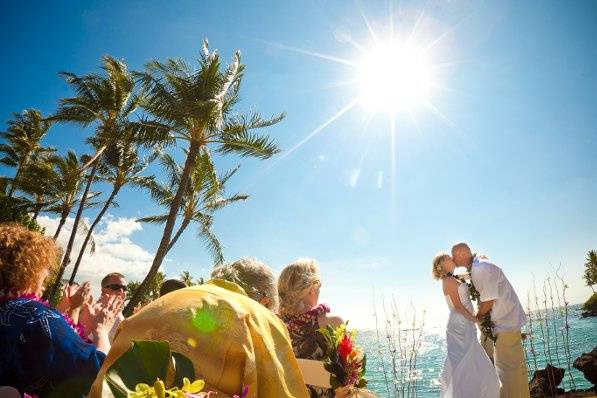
x=507 y=313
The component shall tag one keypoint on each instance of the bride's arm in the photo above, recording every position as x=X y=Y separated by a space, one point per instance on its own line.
x=451 y=289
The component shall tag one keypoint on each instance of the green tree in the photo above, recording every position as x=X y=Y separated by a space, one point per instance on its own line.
x=121 y=166
x=196 y=107
x=64 y=184
x=23 y=141
x=187 y=278
x=15 y=210
x=205 y=194
x=152 y=293
x=590 y=275
x=107 y=100
x=38 y=182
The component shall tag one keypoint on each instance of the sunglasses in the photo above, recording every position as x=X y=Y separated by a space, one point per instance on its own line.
x=115 y=287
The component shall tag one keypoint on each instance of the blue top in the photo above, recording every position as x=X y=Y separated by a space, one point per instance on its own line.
x=41 y=354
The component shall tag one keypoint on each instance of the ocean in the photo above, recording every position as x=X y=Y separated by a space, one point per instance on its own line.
x=422 y=380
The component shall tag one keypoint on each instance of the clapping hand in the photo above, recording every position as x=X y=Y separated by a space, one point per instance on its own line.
x=102 y=314
x=99 y=317
x=106 y=312
x=73 y=298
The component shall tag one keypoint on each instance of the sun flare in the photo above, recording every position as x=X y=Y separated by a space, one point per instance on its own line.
x=394 y=77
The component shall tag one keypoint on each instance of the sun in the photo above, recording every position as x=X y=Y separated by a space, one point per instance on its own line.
x=393 y=77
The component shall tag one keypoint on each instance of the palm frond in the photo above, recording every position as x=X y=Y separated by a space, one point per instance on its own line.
x=210 y=241
x=154 y=219
x=237 y=136
x=220 y=203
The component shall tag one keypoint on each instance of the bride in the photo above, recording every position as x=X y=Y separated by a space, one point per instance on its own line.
x=467 y=371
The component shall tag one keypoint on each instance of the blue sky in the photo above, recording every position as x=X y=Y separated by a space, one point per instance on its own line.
x=509 y=166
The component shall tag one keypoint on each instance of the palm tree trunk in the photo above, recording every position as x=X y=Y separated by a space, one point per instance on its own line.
x=185 y=223
x=115 y=191
x=73 y=234
x=168 y=228
x=13 y=184
x=63 y=216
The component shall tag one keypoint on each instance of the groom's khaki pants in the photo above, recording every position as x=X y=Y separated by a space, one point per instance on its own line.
x=508 y=357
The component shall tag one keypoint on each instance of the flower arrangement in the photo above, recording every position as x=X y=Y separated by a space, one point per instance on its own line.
x=158 y=390
x=344 y=359
x=188 y=390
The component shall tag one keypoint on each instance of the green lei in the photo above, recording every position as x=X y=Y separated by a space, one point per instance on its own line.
x=487 y=324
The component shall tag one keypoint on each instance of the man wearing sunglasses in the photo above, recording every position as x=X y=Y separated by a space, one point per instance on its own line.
x=114 y=284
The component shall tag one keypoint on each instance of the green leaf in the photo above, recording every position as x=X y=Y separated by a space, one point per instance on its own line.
x=144 y=362
x=184 y=368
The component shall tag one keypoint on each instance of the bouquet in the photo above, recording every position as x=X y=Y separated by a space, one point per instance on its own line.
x=344 y=359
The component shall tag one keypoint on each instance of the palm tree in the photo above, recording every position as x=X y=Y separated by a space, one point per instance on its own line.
x=108 y=101
x=23 y=138
x=39 y=182
x=590 y=275
x=203 y=196
x=65 y=186
x=196 y=106
x=187 y=278
x=122 y=166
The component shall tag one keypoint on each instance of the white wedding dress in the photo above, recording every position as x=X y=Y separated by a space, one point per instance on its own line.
x=468 y=371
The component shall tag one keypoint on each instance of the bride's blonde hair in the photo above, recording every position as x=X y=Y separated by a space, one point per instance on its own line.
x=294 y=283
x=437 y=270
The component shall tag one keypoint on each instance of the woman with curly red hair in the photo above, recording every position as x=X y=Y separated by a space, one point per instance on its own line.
x=42 y=351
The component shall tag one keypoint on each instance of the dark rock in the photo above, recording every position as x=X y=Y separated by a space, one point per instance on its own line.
x=587 y=364
x=545 y=382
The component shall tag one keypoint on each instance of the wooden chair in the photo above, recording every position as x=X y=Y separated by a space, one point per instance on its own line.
x=314 y=373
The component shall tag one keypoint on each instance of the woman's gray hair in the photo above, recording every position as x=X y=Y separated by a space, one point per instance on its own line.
x=254 y=277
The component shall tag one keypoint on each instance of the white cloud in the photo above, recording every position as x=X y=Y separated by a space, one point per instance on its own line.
x=115 y=251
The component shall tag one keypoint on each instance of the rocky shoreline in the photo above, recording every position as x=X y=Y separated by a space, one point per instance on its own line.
x=545 y=382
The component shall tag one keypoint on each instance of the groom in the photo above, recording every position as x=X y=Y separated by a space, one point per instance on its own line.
x=500 y=300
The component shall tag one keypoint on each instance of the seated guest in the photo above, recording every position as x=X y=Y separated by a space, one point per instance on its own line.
x=42 y=353
x=256 y=279
x=232 y=340
x=171 y=285
x=299 y=286
x=113 y=285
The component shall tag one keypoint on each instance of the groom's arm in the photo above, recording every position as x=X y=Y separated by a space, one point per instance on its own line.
x=486 y=283
x=484 y=308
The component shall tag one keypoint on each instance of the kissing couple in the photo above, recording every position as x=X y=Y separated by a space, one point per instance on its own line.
x=498 y=368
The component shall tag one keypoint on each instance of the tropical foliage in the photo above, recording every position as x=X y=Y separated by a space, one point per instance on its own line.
x=106 y=100
x=22 y=143
x=590 y=274
x=195 y=106
x=152 y=293
x=11 y=211
x=136 y=118
x=204 y=195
